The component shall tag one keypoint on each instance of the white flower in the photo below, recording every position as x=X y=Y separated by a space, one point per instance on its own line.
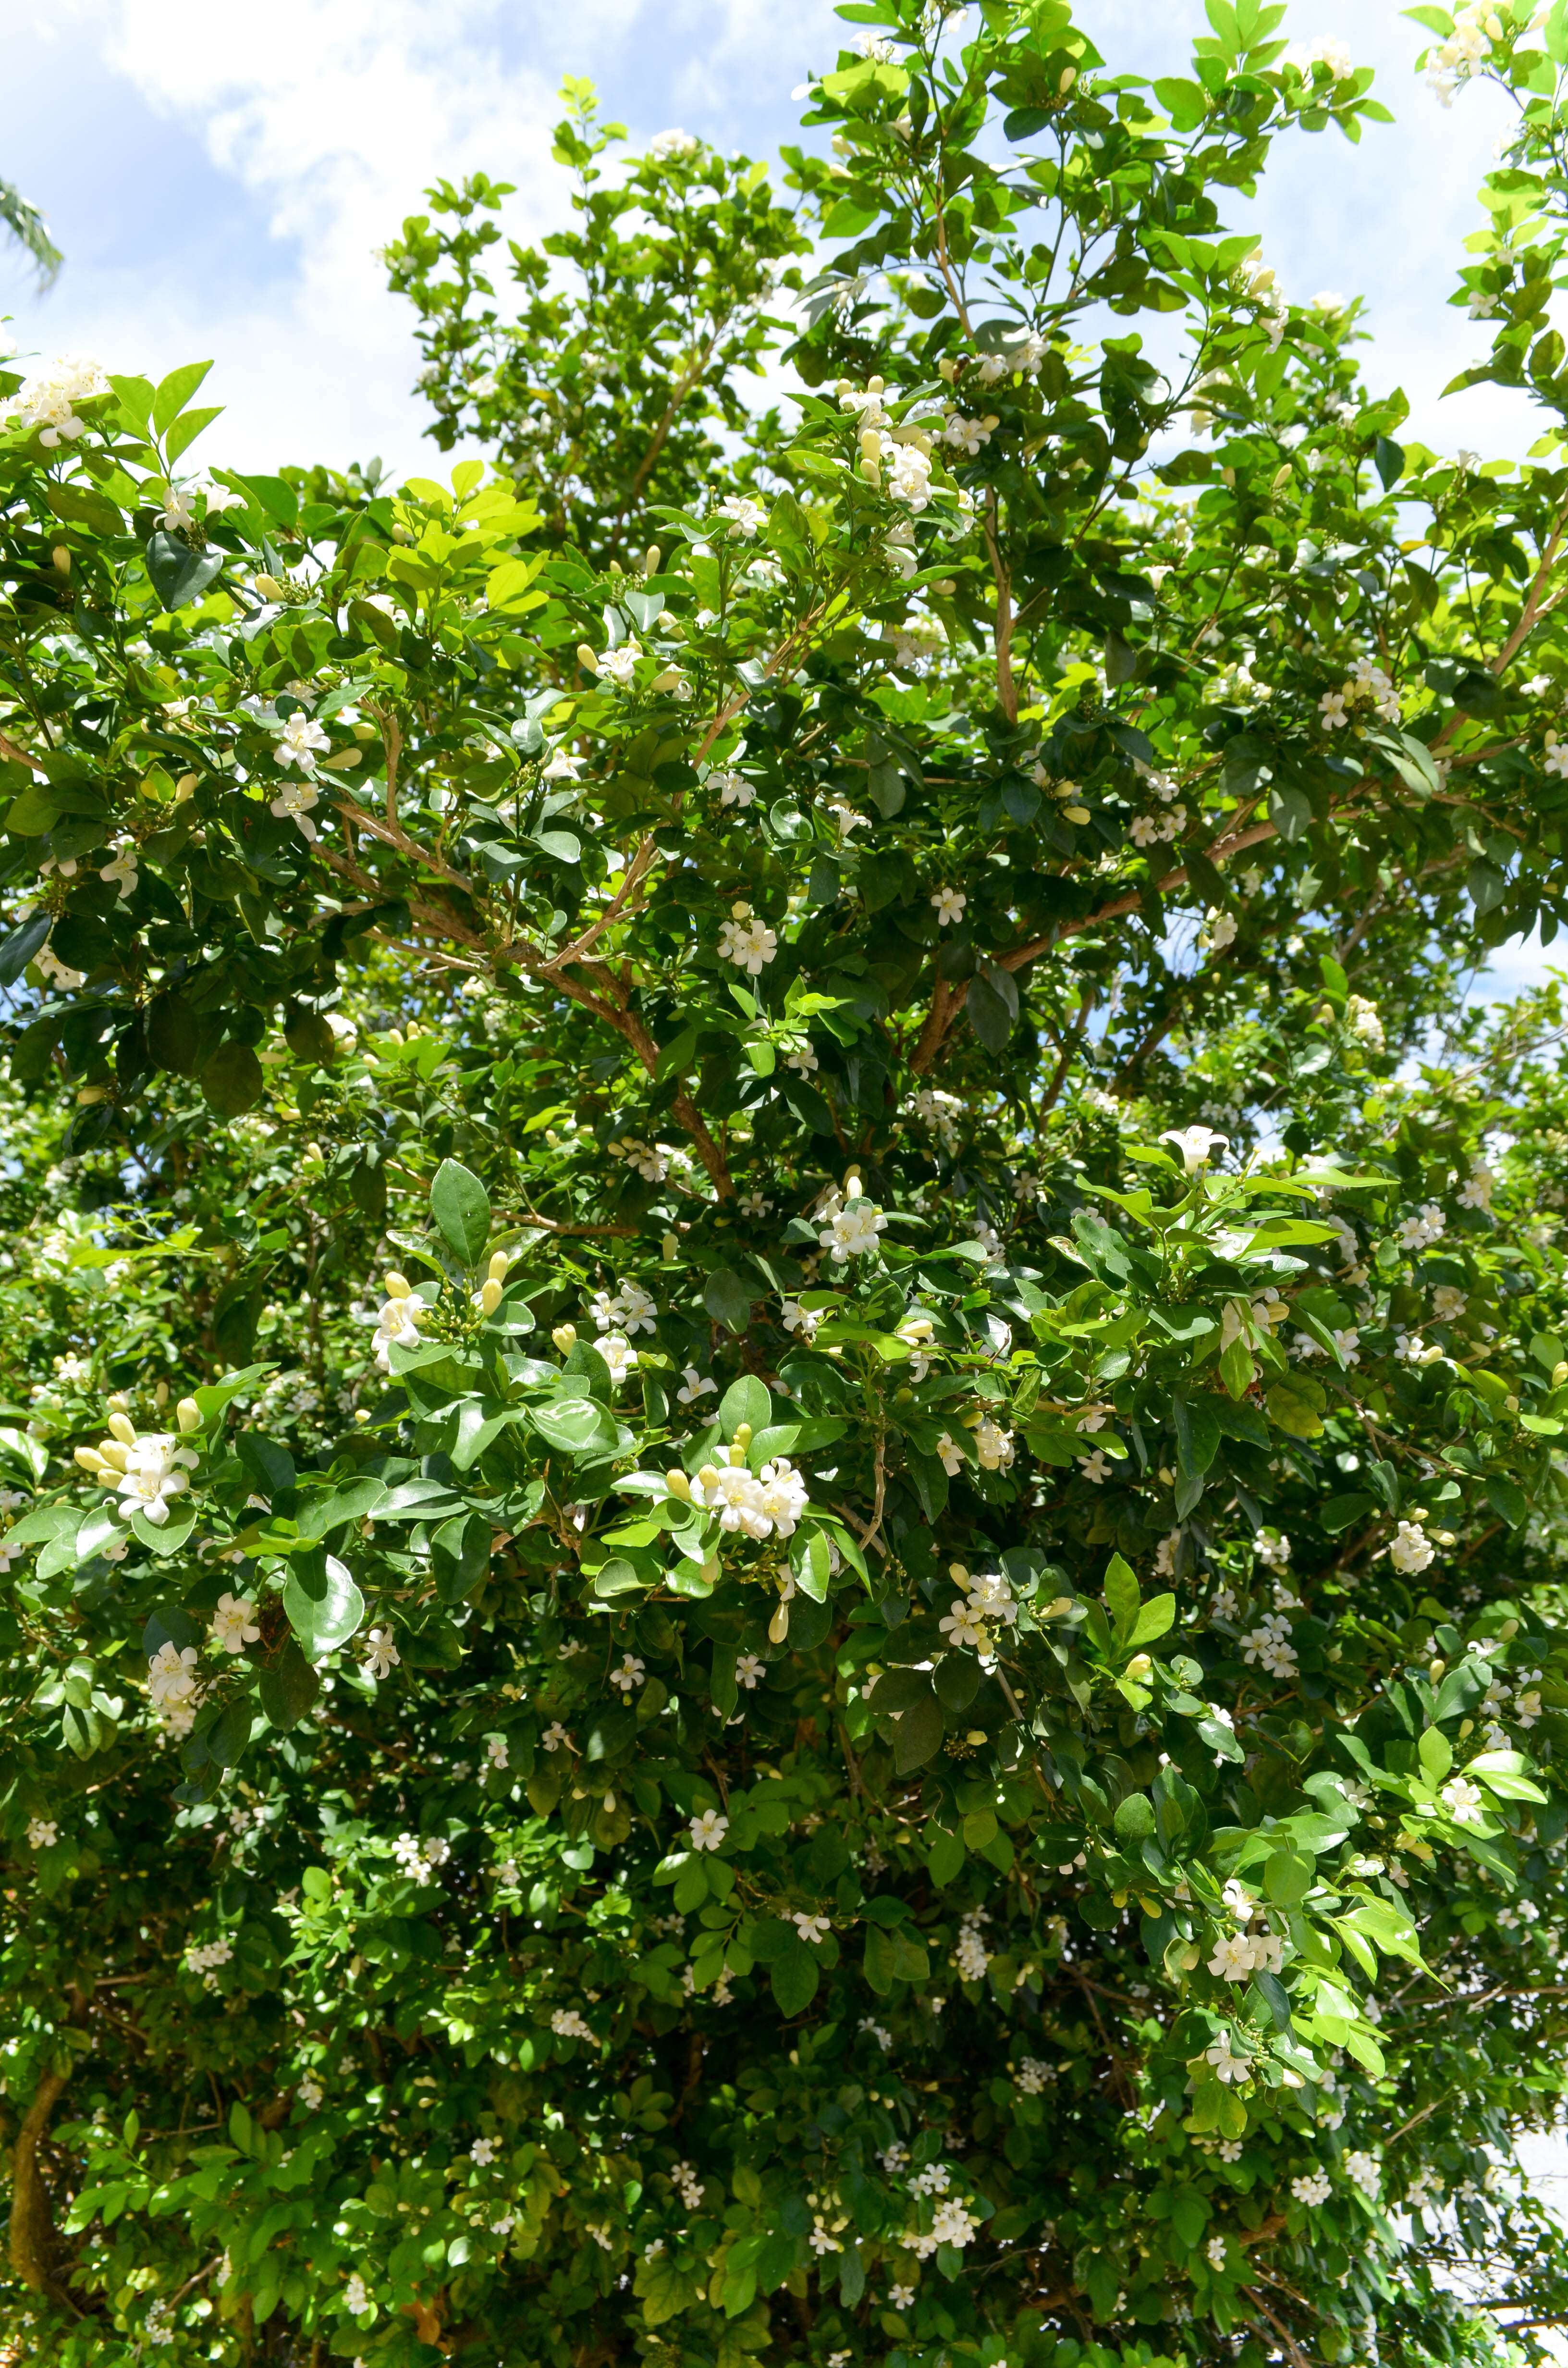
x=909 y=477
x=382 y=1655
x=620 y=665
x=555 y=1735
x=652 y=1162
x=309 y=2093
x=673 y=143
x=965 y=1628
x=813 y=1928
x=300 y=742
x=708 y=1831
x=1334 y=54
x=482 y=2151
x=1233 y=1958
x=733 y=789
x=994 y=1446
x=48 y=399
x=796 y=1318
x=234 y=1623
x=1448 y=1304
x=1331 y=708
x=619 y=1355
x=1096 y=1468
x=357 y=2296
x=496 y=1751
x=1416 y=1232
x=56 y=973
x=397 y=1321
x=950 y=904
x=748 y=942
x=1269 y=1644
x=294 y=804
x=967 y=434
x=1195 y=1145
x=845 y=817
x=121 y=873
x=748 y=1671
x=754 y=1204
x=1033 y=2076
x=741 y=515
x=1476 y=1193
x=43 y=1833
x=804 y=1063
x=1463 y=1801
x=630 y=1673
x=1313 y=2187
x=853 y=1230
x=154 y=1469
x=899 y=2297
x=1363 y=1020
x=1364 y=2169
x=951 y=1454
x=567 y=2023
x=1411 y=1549
x=1227 y=2066
x=696 y=1385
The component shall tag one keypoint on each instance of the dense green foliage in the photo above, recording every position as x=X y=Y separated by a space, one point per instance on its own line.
x=782 y=1374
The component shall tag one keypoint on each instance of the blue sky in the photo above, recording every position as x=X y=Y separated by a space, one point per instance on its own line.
x=220 y=173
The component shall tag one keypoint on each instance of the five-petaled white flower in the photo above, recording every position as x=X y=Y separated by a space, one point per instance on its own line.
x=852 y=1231
x=234 y=1623
x=951 y=1453
x=555 y=1735
x=741 y=515
x=708 y=1831
x=300 y=741
x=694 y=1386
x=630 y=1673
x=43 y=1833
x=1463 y=1801
x=813 y=1928
x=1195 y=1145
x=381 y=1655
x=294 y=804
x=482 y=2151
x=950 y=904
x=748 y=1671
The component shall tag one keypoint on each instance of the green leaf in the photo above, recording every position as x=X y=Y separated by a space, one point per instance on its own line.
x=988 y=1014
x=919 y=1735
x=289 y=1688
x=185 y=431
x=230 y=1732
x=727 y=1299
x=795 y=1974
x=1122 y=1599
x=460 y=1206
x=324 y=1606
x=746 y=1401
x=180 y=574
x=176 y=392
x=576 y=1425
x=1155 y=1617
x=233 y=1081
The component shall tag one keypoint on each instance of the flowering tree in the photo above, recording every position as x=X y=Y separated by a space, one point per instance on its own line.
x=782 y=1514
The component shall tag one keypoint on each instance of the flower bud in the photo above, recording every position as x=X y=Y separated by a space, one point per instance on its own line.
x=610 y=1805
x=678 y=1486
x=112 y=1455
x=586 y=658
x=977 y=1736
x=88 y=1095
x=876 y=385
x=489 y=1295
x=871 y=443
x=188 y=1414
x=669 y=1250
x=651 y=560
x=1559 y=1375
x=1068 y=77
x=184 y=789
x=565 y=1338
x=871 y=472
x=499 y=1262
x=1139 y=1666
x=708 y=1477
x=779 y=1626
x=88 y=1458
x=161 y=1394
x=268 y=586
x=124 y=1427
x=397 y=1285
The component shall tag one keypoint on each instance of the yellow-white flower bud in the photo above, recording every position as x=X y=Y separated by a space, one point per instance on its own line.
x=678 y=1486
x=709 y=1476
x=489 y=1295
x=779 y=1626
x=871 y=472
x=871 y=443
x=565 y=1338
x=124 y=1427
x=499 y=1262
x=113 y=1455
x=876 y=385
x=188 y=1414
x=397 y=1285
x=270 y=587
x=741 y=1437
x=88 y=1458
x=161 y=1394
x=651 y=558
x=184 y=789
x=586 y=658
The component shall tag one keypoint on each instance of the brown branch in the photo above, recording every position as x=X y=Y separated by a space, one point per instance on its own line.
x=1299 y=2359
x=33 y=2234
x=16 y=756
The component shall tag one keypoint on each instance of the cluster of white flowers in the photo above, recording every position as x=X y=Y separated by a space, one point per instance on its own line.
x=158 y=2326
x=992 y=1445
x=851 y=1224
x=688 y=2183
x=48 y=399
x=1332 y=53
x=748 y=942
x=954 y=2225
x=203 y=1956
x=1156 y=830
x=1313 y=2187
x=652 y=1161
x=1364 y=1021
x=664 y=144
x=172 y=1685
x=1464 y=54
x=567 y=2023
x=631 y=1310
x=1345 y=1338
x=397 y=1320
x=357 y=2296
x=43 y=1833
x=147 y=1472
x=1419 y=1232
x=972 y=1956
x=940 y=1112
x=1476 y=1191
x=418 y=1860
x=1411 y=1549
x=876 y=2030
x=756 y=1503
x=1270 y=1645
x=1238 y=1955
x=1364 y=2169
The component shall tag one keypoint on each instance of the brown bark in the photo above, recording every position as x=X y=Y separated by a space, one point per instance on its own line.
x=34 y=2239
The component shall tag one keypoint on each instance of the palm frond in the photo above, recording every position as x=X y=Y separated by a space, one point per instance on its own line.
x=27 y=226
